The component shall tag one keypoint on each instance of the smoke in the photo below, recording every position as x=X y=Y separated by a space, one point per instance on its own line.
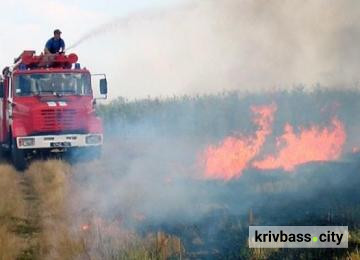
x=150 y=179
x=210 y=46
x=149 y=176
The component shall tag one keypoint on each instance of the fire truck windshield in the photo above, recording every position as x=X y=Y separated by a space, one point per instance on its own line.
x=52 y=84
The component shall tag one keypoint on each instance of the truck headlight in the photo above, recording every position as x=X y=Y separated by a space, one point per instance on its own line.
x=93 y=139
x=27 y=141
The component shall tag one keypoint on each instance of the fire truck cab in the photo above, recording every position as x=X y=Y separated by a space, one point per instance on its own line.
x=47 y=106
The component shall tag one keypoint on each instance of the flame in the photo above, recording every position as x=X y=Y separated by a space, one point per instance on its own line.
x=233 y=155
x=228 y=159
x=85 y=227
x=313 y=144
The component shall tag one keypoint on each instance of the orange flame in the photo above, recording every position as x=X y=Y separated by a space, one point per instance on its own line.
x=85 y=227
x=314 y=144
x=233 y=155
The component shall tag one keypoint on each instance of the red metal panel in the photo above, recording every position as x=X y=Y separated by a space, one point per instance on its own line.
x=32 y=61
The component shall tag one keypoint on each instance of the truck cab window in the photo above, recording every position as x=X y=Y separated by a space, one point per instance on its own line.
x=53 y=84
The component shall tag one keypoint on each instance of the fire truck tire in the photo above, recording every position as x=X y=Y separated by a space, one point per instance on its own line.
x=18 y=157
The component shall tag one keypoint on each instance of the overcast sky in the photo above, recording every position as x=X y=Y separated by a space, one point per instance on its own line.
x=175 y=47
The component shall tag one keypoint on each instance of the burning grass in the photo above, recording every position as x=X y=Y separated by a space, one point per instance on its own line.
x=310 y=134
x=229 y=159
x=144 y=198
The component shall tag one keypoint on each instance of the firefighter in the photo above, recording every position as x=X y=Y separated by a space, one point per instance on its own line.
x=55 y=44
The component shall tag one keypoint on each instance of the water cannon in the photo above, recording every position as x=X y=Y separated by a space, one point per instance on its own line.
x=29 y=60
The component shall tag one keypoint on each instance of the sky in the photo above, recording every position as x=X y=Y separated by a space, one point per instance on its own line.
x=27 y=25
x=161 y=48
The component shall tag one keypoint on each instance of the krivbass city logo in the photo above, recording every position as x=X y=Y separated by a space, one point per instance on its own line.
x=298 y=236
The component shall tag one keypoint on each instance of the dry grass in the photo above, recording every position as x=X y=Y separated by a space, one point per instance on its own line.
x=12 y=213
x=70 y=232
x=11 y=244
x=354 y=256
x=49 y=180
x=109 y=240
x=12 y=203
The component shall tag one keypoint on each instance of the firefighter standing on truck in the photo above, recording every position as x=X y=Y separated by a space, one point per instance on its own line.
x=55 y=44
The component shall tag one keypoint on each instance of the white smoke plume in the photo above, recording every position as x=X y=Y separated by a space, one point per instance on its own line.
x=210 y=46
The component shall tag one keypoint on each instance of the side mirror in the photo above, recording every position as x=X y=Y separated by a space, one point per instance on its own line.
x=103 y=87
x=1 y=89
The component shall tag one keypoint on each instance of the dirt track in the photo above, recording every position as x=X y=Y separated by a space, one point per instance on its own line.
x=32 y=208
x=30 y=229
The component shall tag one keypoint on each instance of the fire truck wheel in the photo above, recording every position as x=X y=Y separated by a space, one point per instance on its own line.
x=18 y=157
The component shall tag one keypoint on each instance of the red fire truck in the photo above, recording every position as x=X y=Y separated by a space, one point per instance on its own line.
x=47 y=105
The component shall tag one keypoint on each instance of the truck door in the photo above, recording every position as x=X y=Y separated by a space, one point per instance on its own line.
x=4 y=113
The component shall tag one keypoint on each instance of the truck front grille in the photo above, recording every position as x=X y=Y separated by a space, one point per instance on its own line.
x=58 y=120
